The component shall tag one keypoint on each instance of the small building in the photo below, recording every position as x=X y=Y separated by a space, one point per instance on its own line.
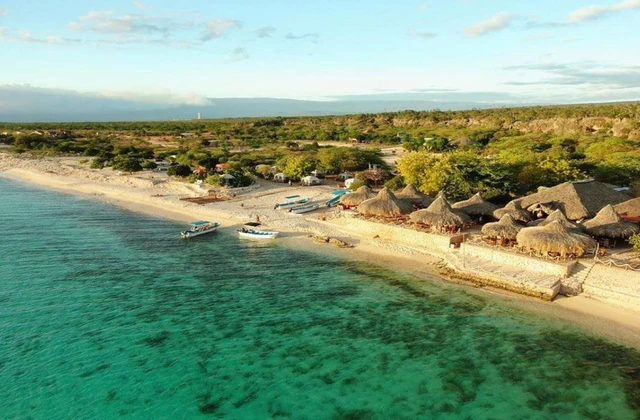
x=344 y=176
x=186 y=135
x=349 y=182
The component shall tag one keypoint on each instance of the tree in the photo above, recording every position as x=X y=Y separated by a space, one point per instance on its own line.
x=149 y=164
x=179 y=170
x=126 y=163
x=297 y=166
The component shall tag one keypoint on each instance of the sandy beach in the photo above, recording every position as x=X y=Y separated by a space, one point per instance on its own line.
x=159 y=196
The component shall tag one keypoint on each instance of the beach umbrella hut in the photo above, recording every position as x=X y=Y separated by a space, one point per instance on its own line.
x=609 y=224
x=555 y=238
x=385 y=204
x=578 y=199
x=357 y=197
x=559 y=216
x=413 y=196
x=629 y=208
x=516 y=211
x=476 y=206
x=506 y=228
x=439 y=215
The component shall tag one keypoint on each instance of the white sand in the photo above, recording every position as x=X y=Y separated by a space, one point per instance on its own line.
x=140 y=193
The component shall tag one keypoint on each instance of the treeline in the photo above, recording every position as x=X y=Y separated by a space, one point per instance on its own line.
x=620 y=119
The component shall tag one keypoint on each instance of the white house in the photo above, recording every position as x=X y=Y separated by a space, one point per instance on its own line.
x=280 y=177
x=310 y=180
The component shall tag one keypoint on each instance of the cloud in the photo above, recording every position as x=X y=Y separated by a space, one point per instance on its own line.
x=265 y=32
x=239 y=54
x=106 y=22
x=218 y=28
x=142 y=6
x=3 y=12
x=422 y=34
x=23 y=35
x=580 y=74
x=597 y=12
x=313 y=37
x=495 y=23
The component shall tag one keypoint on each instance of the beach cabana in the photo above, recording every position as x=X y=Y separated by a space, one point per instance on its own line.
x=630 y=208
x=515 y=210
x=609 y=224
x=310 y=180
x=440 y=215
x=385 y=204
x=578 y=199
x=555 y=239
x=415 y=197
x=506 y=228
x=355 y=198
x=557 y=215
x=476 y=206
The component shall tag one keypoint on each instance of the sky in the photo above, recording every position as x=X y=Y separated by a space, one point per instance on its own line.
x=173 y=52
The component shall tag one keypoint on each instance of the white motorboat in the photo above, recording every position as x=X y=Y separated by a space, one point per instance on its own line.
x=304 y=208
x=200 y=228
x=251 y=231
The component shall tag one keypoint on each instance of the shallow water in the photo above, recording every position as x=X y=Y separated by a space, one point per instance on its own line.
x=106 y=313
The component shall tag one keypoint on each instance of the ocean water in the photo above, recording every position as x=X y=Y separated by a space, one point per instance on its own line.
x=108 y=314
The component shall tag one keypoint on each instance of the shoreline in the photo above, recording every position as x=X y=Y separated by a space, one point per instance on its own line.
x=602 y=318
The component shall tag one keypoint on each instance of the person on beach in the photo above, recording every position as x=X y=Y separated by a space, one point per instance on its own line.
x=290 y=183
x=257 y=219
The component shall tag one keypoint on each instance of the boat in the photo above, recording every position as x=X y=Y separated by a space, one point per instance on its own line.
x=336 y=199
x=251 y=231
x=304 y=209
x=293 y=203
x=200 y=228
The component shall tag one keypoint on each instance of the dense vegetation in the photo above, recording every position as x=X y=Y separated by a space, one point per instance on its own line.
x=500 y=152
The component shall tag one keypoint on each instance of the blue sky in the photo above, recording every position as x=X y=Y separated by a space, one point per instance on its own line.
x=182 y=52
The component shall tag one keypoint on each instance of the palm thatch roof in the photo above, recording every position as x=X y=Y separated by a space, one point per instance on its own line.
x=609 y=224
x=555 y=238
x=413 y=196
x=440 y=214
x=506 y=228
x=355 y=198
x=559 y=216
x=385 y=204
x=629 y=208
x=578 y=200
x=515 y=210
x=476 y=206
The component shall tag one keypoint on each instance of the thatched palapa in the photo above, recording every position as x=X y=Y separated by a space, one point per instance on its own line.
x=440 y=214
x=578 y=200
x=556 y=239
x=357 y=197
x=506 y=228
x=476 y=206
x=609 y=224
x=515 y=210
x=557 y=216
x=413 y=196
x=385 y=204
x=629 y=208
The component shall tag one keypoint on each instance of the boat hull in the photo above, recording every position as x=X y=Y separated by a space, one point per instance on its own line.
x=305 y=209
x=258 y=236
x=292 y=204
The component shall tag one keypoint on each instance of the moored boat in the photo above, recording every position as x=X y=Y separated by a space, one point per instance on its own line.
x=292 y=203
x=200 y=228
x=304 y=209
x=251 y=231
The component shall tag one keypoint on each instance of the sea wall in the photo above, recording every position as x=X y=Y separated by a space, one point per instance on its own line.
x=613 y=283
x=431 y=243
x=525 y=262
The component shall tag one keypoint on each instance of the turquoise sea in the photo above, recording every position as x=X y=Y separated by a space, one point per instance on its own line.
x=108 y=314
